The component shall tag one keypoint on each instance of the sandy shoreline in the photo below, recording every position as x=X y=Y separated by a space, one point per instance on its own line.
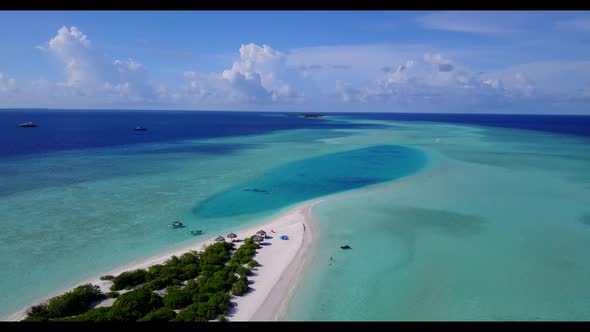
x=281 y=265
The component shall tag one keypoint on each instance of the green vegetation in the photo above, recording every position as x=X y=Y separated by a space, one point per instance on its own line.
x=173 y=271
x=129 y=279
x=68 y=304
x=176 y=298
x=159 y=315
x=239 y=288
x=252 y=263
x=209 y=277
x=102 y=314
x=107 y=277
x=112 y=295
x=135 y=304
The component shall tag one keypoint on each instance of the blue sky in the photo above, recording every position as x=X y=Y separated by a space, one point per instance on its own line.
x=418 y=61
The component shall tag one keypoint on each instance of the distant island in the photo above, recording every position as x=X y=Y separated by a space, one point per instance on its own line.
x=309 y=115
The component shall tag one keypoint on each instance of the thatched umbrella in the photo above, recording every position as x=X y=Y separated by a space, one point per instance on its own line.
x=232 y=236
x=261 y=233
x=219 y=238
x=258 y=238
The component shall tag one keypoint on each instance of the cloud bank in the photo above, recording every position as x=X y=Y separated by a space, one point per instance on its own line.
x=346 y=77
x=259 y=76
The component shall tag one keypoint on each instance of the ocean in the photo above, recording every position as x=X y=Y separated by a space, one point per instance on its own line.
x=450 y=217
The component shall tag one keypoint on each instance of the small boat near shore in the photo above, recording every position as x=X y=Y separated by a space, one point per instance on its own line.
x=346 y=246
x=196 y=232
x=139 y=128
x=176 y=224
x=27 y=125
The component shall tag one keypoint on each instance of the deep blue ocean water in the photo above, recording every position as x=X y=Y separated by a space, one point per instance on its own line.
x=61 y=130
x=67 y=130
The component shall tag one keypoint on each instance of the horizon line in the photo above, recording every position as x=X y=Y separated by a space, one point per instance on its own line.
x=288 y=112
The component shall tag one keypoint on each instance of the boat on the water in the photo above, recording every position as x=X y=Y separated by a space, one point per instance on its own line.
x=27 y=125
x=176 y=224
x=139 y=128
x=346 y=246
x=197 y=232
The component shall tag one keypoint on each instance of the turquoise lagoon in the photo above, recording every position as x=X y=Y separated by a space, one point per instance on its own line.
x=485 y=223
x=72 y=215
x=496 y=229
x=302 y=180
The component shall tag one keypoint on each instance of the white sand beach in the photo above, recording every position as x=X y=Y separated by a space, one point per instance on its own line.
x=281 y=266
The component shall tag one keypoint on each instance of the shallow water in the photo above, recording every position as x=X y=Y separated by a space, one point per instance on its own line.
x=496 y=229
x=73 y=214
x=314 y=177
x=495 y=224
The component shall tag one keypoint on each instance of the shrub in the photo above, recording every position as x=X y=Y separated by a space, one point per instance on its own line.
x=154 y=271
x=249 y=242
x=201 y=297
x=243 y=272
x=221 y=318
x=252 y=263
x=216 y=254
x=239 y=287
x=70 y=303
x=191 y=286
x=129 y=279
x=112 y=295
x=173 y=271
x=159 y=315
x=221 y=280
x=107 y=277
x=207 y=270
x=189 y=271
x=219 y=302
x=102 y=314
x=196 y=312
x=176 y=298
x=135 y=304
x=189 y=258
x=161 y=283
x=37 y=313
x=232 y=265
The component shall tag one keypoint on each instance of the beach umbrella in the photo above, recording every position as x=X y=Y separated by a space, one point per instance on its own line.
x=219 y=238
x=261 y=233
x=258 y=238
x=231 y=236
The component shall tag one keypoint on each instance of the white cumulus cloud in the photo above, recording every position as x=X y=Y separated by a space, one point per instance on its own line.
x=91 y=74
x=260 y=76
x=432 y=79
x=361 y=77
